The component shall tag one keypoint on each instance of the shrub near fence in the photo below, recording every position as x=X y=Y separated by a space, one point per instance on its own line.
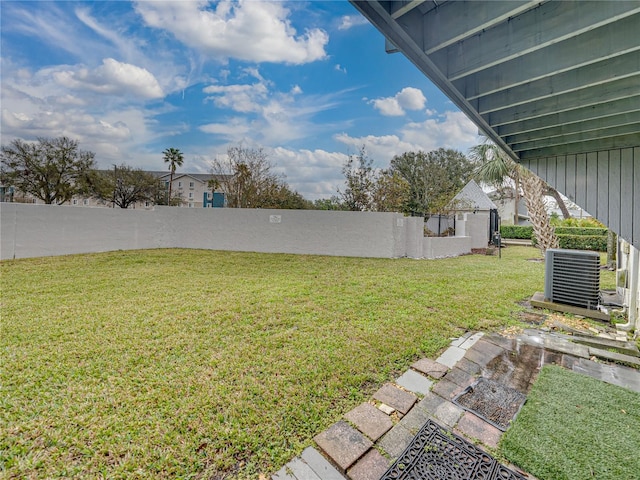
x=596 y=243
x=572 y=238
x=594 y=232
x=516 y=231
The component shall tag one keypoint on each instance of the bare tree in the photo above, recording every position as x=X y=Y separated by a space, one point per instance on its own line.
x=246 y=178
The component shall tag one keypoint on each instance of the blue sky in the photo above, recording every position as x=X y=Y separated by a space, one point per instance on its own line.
x=310 y=82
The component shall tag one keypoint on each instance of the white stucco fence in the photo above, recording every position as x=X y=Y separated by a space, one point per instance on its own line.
x=46 y=230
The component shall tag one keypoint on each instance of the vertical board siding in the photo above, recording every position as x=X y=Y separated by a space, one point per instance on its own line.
x=581 y=180
x=602 y=212
x=614 y=190
x=571 y=177
x=592 y=183
x=626 y=192
x=605 y=183
x=635 y=201
x=561 y=174
x=551 y=170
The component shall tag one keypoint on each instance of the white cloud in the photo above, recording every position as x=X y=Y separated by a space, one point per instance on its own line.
x=411 y=98
x=234 y=130
x=388 y=107
x=349 y=21
x=313 y=173
x=247 y=30
x=112 y=77
x=340 y=68
x=273 y=117
x=449 y=130
x=240 y=98
x=408 y=98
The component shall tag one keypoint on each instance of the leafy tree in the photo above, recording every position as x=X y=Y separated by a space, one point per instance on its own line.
x=360 y=179
x=246 y=178
x=495 y=168
x=332 y=203
x=51 y=169
x=174 y=158
x=433 y=178
x=125 y=185
x=390 y=192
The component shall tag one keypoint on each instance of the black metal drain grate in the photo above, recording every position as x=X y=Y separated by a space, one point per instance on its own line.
x=437 y=454
x=492 y=401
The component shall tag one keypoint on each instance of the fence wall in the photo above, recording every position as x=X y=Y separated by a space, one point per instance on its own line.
x=476 y=226
x=46 y=230
x=441 y=247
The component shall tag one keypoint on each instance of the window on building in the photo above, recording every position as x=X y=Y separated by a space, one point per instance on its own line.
x=192 y=184
x=85 y=201
x=74 y=201
x=179 y=184
x=190 y=195
x=191 y=205
x=147 y=204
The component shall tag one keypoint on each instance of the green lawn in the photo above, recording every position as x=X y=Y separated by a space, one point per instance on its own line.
x=575 y=427
x=196 y=364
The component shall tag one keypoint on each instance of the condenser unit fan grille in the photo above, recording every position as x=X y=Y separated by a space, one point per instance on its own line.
x=572 y=277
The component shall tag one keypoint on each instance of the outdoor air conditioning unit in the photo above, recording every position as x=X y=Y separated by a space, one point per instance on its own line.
x=572 y=277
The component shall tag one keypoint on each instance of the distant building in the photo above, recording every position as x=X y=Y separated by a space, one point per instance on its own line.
x=505 y=201
x=193 y=189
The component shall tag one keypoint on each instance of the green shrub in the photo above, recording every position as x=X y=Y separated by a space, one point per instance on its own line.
x=591 y=231
x=597 y=243
x=516 y=231
x=588 y=222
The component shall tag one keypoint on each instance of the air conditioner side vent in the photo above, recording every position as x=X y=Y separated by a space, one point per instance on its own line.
x=572 y=277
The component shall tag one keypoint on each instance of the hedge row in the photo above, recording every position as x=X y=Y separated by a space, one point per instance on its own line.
x=574 y=238
x=597 y=243
x=581 y=231
x=516 y=231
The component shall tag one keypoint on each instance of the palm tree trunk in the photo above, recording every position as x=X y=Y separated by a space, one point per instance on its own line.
x=611 y=250
x=517 y=199
x=170 y=185
x=563 y=207
x=533 y=189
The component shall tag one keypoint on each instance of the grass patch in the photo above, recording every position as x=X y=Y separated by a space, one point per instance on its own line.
x=192 y=364
x=575 y=427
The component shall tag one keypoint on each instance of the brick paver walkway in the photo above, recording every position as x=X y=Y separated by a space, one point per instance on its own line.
x=372 y=436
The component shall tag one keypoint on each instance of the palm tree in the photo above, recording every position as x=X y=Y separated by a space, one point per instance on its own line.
x=496 y=168
x=174 y=158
